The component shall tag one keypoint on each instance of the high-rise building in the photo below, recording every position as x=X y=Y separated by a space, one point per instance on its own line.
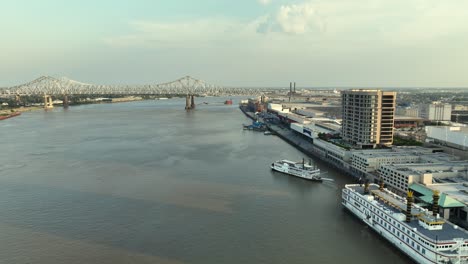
x=436 y=111
x=368 y=117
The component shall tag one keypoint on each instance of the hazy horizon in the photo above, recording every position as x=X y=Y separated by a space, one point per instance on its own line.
x=246 y=43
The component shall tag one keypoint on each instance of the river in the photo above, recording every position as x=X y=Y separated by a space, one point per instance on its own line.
x=148 y=182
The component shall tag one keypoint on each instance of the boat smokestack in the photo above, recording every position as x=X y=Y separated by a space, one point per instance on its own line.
x=381 y=185
x=409 y=204
x=435 y=203
x=366 y=187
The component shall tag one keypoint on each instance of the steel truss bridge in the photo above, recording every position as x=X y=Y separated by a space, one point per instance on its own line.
x=50 y=86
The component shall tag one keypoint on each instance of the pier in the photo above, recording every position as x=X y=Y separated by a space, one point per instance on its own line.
x=305 y=146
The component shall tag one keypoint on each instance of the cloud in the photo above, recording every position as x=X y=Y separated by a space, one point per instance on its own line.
x=334 y=23
x=298 y=18
x=177 y=34
x=326 y=28
x=264 y=2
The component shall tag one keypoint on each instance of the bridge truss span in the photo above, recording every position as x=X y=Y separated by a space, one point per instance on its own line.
x=47 y=85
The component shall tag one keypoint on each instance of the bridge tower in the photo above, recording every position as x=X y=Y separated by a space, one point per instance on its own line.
x=18 y=99
x=48 y=104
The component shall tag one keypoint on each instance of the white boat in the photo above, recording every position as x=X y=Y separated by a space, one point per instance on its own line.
x=298 y=169
x=422 y=235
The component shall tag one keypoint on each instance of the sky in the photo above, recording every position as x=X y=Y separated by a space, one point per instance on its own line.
x=255 y=43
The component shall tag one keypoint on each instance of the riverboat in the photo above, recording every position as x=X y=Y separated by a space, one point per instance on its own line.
x=419 y=233
x=298 y=169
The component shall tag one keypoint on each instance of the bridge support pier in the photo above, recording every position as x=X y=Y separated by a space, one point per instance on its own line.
x=190 y=102
x=187 y=102
x=65 y=101
x=48 y=102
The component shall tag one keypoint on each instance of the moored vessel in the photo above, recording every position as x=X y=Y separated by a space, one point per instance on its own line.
x=228 y=102
x=422 y=235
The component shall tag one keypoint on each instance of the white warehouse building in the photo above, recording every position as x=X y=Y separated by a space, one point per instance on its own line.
x=456 y=137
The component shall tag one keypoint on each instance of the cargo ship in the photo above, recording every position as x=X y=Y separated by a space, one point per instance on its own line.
x=298 y=169
x=419 y=233
x=2 y=117
x=228 y=102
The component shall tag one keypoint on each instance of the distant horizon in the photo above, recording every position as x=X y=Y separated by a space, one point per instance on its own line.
x=247 y=86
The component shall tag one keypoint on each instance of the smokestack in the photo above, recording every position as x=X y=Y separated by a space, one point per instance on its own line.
x=435 y=203
x=381 y=186
x=290 y=91
x=294 y=87
x=409 y=204
x=366 y=187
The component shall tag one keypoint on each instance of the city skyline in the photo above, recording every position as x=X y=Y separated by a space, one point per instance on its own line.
x=264 y=43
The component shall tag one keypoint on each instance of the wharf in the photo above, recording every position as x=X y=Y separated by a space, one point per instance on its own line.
x=302 y=144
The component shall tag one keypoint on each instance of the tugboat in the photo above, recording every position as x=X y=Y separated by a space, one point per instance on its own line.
x=298 y=169
x=256 y=126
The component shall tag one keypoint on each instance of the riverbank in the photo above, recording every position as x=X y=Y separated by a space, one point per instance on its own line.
x=20 y=109
x=127 y=99
x=23 y=109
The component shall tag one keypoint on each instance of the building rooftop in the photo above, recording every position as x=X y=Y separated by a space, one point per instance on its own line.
x=426 y=154
x=330 y=126
x=459 y=167
x=408 y=118
x=451 y=194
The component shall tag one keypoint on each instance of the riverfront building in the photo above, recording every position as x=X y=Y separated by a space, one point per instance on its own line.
x=368 y=117
x=400 y=176
x=366 y=162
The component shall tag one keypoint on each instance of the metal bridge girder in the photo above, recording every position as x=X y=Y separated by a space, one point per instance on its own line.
x=61 y=86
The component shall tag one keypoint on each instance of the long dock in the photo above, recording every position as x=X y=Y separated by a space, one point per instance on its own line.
x=300 y=143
